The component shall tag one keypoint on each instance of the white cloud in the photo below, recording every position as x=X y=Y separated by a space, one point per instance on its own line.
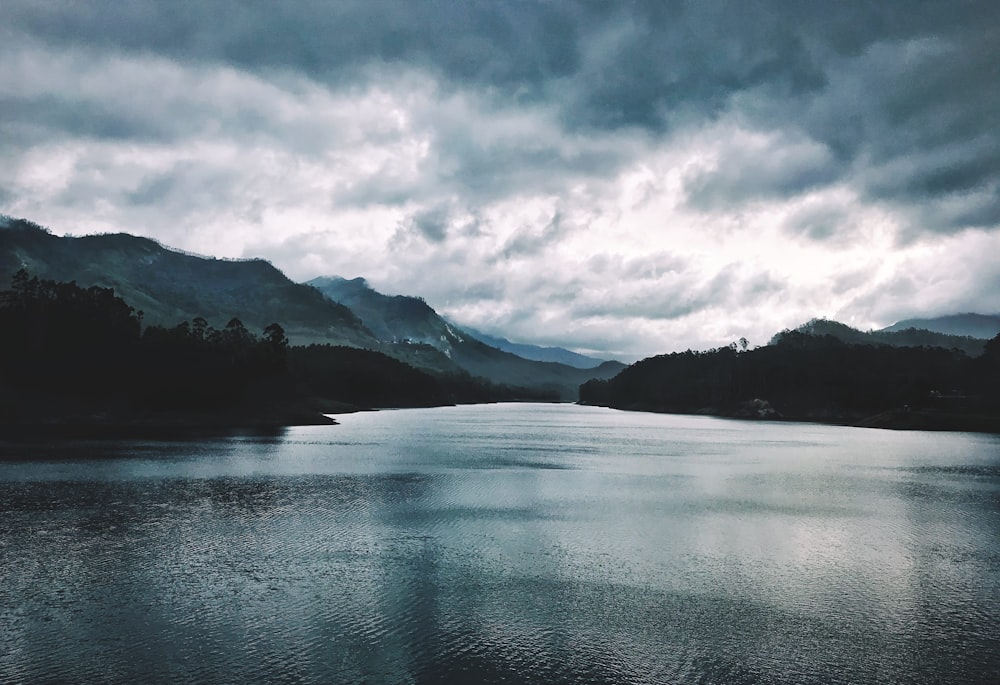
x=749 y=213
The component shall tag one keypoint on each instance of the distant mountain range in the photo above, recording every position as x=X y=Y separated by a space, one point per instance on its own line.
x=170 y=286
x=402 y=321
x=537 y=353
x=399 y=318
x=902 y=337
x=984 y=326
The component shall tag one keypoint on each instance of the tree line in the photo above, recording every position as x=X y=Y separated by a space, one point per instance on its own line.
x=806 y=376
x=72 y=351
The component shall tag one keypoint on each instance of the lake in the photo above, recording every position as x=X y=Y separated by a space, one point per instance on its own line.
x=511 y=543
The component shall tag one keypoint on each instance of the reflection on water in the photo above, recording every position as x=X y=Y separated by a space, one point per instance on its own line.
x=507 y=544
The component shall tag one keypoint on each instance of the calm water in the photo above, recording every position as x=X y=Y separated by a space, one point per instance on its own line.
x=505 y=543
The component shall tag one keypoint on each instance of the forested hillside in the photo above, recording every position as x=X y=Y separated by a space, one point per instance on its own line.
x=73 y=356
x=168 y=286
x=808 y=377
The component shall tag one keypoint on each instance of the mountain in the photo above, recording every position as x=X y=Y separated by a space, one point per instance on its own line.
x=392 y=318
x=908 y=337
x=406 y=324
x=399 y=318
x=536 y=353
x=984 y=326
x=480 y=359
x=78 y=358
x=170 y=286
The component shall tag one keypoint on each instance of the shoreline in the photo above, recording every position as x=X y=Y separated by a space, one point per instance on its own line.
x=900 y=419
x=153 y=424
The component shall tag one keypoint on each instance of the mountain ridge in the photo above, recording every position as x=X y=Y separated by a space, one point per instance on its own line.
x=170 y=285
x=908 y=337
x=403 y=320
x=386 y=316
x=814 y=375
x=984 y=326
x=537 y=352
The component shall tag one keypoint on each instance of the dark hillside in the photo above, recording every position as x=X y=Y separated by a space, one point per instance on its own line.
x=412 y=331
x=808 y=377
x=392 y=318
x=170 y=286
x=903 y=337
x=983 y=326
x=77 y=358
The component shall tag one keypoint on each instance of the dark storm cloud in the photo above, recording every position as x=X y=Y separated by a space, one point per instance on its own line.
x=529 y=241
x=432 y=224
x=875 y=84
x=602 y=158
x=914 y=120
x=186 y=186
x=821 y=223
x=747 y=172
x=57 y=97
x=984 y=214
x=659 y=301
x=469 y=40
x=481 y=164
x=638 y=60
x=37 y=119
x=657 y=64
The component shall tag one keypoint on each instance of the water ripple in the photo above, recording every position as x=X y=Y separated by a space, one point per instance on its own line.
x=632 y=549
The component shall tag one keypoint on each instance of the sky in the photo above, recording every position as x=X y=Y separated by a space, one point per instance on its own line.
x=619 y=178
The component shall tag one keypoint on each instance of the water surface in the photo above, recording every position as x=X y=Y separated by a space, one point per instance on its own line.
x=507 y=544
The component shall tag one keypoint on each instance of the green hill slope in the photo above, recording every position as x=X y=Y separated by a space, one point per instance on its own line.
x=169 y=286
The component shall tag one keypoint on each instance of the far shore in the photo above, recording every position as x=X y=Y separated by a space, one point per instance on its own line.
x=110 y=425
x=150 y=424
x=894 y=419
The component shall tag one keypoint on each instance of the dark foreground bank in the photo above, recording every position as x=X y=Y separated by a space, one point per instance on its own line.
x=78 y=359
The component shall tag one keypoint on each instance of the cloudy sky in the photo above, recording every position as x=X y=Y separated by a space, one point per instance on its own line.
x=625 y=178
